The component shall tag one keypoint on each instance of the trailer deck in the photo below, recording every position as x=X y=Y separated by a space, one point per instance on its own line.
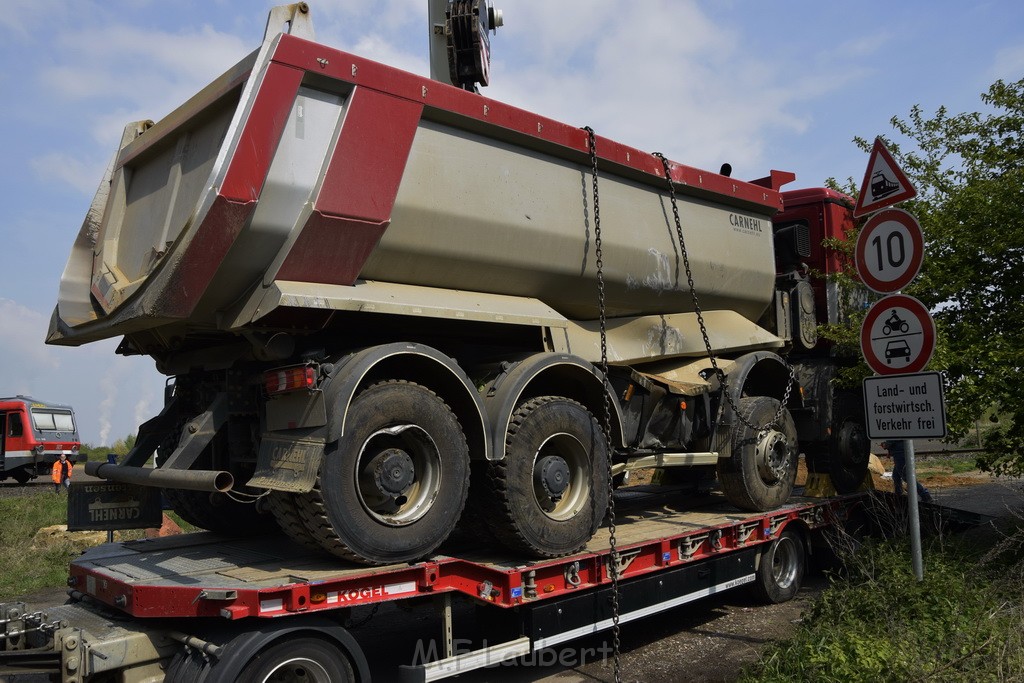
x=209 y=575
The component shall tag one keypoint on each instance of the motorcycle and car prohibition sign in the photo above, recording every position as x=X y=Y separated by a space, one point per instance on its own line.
x=898 y=335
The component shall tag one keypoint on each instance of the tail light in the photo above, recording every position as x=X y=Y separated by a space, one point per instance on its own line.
x=289 y=379
x=39 y=448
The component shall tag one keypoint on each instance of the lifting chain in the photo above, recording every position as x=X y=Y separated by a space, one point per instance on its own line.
x=607 y=421
x=760 y=429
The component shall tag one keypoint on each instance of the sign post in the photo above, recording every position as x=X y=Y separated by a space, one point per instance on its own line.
x=897 y=336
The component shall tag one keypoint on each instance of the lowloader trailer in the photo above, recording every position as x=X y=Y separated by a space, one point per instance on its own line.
x=202 y=607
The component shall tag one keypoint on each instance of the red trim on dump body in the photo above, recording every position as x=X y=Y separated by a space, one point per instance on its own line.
x=349 y=68
x=369 y=158
x=251 y=578
x=353 y=208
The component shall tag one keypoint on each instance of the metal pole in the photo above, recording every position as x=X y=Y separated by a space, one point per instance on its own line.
x=438 y=40
x=915 y=519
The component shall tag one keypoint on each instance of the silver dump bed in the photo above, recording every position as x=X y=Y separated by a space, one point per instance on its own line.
x=305 y=176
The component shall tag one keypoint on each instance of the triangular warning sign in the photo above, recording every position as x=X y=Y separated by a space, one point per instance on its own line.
x=884 y=183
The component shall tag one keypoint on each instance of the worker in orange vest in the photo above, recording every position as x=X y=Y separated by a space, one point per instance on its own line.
x=61 y=473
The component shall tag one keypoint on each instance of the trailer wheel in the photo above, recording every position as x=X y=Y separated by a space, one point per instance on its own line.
x=549 y=495
x=186 y=666
x=306 y=659
x=761 y=471
x=781 y=570
x=393 y=486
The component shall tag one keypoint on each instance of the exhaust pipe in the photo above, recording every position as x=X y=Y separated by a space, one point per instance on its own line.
x=192 y=480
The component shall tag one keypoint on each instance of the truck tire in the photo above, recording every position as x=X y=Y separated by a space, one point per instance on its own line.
x=286 y=513
x=215 y=512
x=781 y=569
x=187 y=665
x=392 y=488
x=760 y=473
x=309 y=659
x=849 y=448
x=219 y=513
x=549 y=495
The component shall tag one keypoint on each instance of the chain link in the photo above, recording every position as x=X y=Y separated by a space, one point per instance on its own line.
x=760 y=429
x=607 y=421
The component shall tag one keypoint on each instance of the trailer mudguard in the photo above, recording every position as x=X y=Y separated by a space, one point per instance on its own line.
x=240 y=650
x=416 y=363
x=545 y=374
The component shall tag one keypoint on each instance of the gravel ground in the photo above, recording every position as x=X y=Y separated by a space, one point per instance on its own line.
x=12 y=489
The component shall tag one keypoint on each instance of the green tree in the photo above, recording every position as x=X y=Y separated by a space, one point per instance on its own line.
x=969 y=173
x=122 y=446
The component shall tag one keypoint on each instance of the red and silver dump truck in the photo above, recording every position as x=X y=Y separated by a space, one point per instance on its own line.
x=33 y=434
x=385 y=300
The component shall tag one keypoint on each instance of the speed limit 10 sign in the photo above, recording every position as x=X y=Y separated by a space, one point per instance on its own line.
x=890 y=249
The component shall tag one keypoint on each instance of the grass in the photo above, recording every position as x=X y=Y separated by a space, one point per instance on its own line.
x=27 y=569
x=953 y=464
x=963 y=622
x=942 y=464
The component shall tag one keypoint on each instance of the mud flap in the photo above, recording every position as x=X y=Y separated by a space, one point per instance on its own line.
x=287 y=463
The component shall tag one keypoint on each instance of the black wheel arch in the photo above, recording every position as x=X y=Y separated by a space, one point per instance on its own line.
x=241 y=646
x=415 y=363
x=761 y=373
x=547 y=374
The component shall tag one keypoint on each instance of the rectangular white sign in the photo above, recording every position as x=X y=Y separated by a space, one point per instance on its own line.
x=905 y=406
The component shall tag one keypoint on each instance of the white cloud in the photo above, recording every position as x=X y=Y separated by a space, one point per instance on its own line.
x=111 y=395
x=666 y=79
x=80 y=175
x=1009 y=63
x=21 y=337
x=109 y=389
x=145 y=72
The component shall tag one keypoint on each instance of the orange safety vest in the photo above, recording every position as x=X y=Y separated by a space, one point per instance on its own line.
x=55 y=474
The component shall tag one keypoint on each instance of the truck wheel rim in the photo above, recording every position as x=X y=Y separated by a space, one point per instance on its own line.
x=772 y=454
x=784 y=562
x=561 y=474
x=398 y=474
x=298 y=669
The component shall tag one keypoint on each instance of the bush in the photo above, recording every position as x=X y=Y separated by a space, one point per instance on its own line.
x=878 y=623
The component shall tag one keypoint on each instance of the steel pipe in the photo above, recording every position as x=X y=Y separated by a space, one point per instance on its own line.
x=192 y=480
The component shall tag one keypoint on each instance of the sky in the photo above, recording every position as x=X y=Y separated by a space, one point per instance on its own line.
x=761 y=85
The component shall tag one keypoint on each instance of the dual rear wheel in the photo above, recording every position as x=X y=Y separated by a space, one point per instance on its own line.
x=548 y=496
